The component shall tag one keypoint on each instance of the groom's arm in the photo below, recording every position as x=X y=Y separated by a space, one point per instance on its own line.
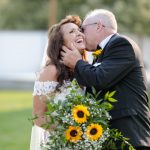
x=117 y=62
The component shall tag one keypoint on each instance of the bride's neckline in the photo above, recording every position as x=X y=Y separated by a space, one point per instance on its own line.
x=51 y=82
x=47 y=81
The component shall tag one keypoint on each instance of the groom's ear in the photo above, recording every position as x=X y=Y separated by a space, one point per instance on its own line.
x=99 y=26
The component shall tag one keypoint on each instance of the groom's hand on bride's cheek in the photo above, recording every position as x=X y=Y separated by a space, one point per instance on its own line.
x=76 y=55
x=69 y=57
x=64 y=56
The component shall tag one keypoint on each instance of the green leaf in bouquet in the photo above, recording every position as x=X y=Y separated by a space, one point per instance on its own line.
x=116 y=136
x=52 y=120
x=64 y=119
x=32 y=119
x=106 y=96
x=73 y=91
x=46 y=125
x=48 y=113
x=109 y=96
x=111 y=93
x=89 y=96
x=63 y=103
x=101 y=121
x=107 y=106
x=122 y=145
x=93 y=90
x=97 y=95
x=74 y=82
x=110 y=99
x=92 y=96
x=79 y=97
x=50 y=107
x=59 y=102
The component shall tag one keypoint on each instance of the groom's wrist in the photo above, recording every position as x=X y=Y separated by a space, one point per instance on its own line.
x=77 y=63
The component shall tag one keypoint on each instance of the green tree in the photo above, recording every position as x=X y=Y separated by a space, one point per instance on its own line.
x=23 y=14
x=132 y=15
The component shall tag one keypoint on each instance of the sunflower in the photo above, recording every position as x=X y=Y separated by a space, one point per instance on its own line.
x=73 y=134
x=80 y=113
x=94 y=131
x=97 y=52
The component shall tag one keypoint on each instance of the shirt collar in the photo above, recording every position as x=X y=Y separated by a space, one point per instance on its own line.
x=105 y=41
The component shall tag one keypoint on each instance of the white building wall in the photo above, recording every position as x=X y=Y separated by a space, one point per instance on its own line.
x=21 y=54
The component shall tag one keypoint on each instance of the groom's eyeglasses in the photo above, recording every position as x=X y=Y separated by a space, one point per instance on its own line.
x=84 y=26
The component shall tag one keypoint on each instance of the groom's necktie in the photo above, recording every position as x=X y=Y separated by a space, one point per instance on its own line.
x=98 y=47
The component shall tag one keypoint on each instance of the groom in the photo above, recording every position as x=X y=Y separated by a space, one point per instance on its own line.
x=119 y=67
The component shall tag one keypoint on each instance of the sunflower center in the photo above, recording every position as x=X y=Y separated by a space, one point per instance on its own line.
x=73 y=133
x=80 y=114
x=93 y=131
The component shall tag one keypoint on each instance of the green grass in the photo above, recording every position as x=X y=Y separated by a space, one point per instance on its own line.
x=15 y=129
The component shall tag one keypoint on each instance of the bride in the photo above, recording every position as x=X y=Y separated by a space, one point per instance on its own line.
x=54 y=76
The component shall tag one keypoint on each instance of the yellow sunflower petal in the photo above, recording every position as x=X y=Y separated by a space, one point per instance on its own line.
x=94 y=131
x=73 y=134
x=97 y=52
x=80 y=113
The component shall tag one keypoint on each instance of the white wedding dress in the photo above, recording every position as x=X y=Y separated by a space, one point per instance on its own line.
x=38 y=134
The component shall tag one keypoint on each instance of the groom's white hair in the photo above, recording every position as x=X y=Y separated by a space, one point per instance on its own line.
x=106 y=17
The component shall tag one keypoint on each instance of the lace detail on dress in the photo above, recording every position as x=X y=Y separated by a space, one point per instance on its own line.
x=44 y=88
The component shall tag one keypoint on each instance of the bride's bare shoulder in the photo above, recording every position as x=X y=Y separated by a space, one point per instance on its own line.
x=48 y=73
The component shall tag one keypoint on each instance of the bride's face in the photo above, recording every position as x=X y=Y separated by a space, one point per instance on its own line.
x=72 y=35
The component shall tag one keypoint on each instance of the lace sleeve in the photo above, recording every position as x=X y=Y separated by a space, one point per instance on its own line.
x=44 y=88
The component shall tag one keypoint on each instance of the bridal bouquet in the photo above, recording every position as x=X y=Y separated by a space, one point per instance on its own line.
x=81 y=122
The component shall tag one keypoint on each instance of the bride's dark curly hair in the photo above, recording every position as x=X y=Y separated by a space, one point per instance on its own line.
x=55 y=43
